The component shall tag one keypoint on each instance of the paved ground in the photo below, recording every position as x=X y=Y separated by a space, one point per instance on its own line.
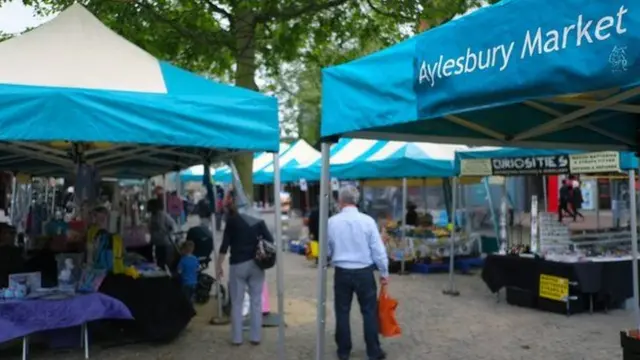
x=436 y=327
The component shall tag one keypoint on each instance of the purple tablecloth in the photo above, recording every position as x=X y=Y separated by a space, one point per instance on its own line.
x=21 y=318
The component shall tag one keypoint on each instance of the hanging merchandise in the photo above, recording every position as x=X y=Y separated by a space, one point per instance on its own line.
x=86 y=188
x=303 y=185
x=335 y=184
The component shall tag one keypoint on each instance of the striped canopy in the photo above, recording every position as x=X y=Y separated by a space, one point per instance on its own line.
x=298 y=154
x=260 y=161
x=195 y=174
x=372 y=159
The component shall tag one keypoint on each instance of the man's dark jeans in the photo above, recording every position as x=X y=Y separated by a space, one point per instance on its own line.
x=362 y=282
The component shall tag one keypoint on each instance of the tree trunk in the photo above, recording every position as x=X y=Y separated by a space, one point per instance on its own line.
x=245 y=32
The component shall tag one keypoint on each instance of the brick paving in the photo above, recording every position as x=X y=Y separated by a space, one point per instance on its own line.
x=436 y=327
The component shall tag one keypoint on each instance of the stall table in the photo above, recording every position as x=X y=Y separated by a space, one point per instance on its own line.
x=591 y=284
x=23 y=318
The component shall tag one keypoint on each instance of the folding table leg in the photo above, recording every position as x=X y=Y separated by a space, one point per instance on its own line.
x=85 y=338
x=25 y=347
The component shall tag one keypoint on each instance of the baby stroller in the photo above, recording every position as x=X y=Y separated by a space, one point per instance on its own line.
x=202 y=239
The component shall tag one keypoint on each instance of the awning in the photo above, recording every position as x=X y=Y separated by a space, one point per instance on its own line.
x=73 y=80
x=503 y=75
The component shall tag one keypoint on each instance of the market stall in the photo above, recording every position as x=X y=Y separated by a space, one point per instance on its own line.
x=583 y=258
x=128 y=116
x=395 y=176
x=509 y=84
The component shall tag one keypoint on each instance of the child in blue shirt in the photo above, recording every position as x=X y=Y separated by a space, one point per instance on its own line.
x=188 y=270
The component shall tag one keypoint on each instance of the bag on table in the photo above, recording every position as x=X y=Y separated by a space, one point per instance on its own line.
x=388 y=325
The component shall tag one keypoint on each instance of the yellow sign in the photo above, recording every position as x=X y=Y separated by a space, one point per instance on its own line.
x=553 y=287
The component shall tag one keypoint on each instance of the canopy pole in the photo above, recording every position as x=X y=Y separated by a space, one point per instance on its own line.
x=179 y=194
x=492 y=210
x=14 y=198
x=596 y=203
x=280 y=254
x=504 y=239
x=164 y=193
x=544 y=193
x=403 y=229
x=451 y=291
x=325 y=182
x=634 y=246
x=53 y=197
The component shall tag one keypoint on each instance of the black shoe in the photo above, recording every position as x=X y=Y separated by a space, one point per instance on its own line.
x=382 y=356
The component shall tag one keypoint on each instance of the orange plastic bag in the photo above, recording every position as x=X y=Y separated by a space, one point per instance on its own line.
x=387 y=323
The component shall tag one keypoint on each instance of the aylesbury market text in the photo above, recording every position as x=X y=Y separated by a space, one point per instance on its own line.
x=555 y=164
x=536 y=42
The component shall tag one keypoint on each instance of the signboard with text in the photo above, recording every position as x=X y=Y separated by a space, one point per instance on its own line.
x=588 y=163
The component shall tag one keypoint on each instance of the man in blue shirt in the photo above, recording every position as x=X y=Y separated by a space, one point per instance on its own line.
x=188 y=270
x=356 y=251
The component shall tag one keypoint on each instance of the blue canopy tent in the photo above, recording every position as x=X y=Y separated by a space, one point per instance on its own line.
x=73 y=91
x=61 y=85
x=358 y=159
x=503 y=75
x=224 y=174
x=299 y=153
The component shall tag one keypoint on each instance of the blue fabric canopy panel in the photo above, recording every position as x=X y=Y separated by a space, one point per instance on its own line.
x=73 y=79
x=504 y=74
x=358 y=159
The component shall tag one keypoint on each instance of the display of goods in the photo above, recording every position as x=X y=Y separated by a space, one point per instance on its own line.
x=426 y=245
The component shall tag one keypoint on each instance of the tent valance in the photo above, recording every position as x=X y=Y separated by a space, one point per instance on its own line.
x=510 y=84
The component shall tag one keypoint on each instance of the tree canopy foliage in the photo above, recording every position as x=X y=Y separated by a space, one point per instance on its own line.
x=233 y=39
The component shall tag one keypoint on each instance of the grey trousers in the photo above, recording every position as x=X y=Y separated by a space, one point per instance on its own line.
x=242 y=276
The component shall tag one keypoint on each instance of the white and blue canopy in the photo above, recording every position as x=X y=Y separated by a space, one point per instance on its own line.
x=503 y=75
x=223 y=174
x=487 y=160
x=370 y=159
x=299 y=154
x=75 y=80
x=195 y=174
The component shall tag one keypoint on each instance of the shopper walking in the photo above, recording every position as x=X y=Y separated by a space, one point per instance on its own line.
x=356 y=250
x=241 y=240
x=576 y=199
x=565 y=200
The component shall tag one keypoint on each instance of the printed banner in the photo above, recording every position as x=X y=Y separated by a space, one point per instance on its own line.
x=553 y=287
x=531 y=165
x=588 y=163
x=476 y=167
x=596 y=162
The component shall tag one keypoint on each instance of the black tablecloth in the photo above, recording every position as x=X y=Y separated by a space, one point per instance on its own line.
x=608 y=282
x=160 y=309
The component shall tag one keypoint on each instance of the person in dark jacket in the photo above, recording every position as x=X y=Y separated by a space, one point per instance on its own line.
x=576 y=200
x=241 y=240
x=565 y=200
x=411 y=218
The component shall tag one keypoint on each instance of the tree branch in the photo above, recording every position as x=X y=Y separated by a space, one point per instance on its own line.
x=388 y=14
x=224 y=35
x=217 y=9
x=295 y=11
